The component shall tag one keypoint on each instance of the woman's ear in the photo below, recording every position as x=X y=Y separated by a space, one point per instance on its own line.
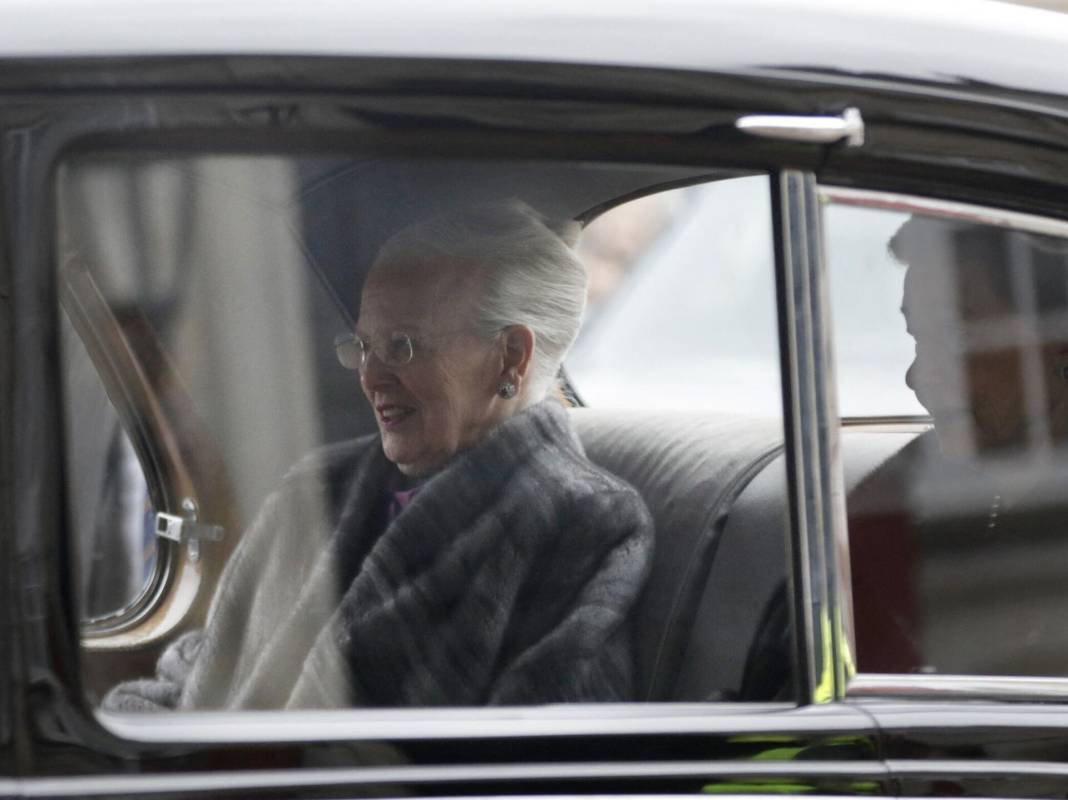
x=518 y=341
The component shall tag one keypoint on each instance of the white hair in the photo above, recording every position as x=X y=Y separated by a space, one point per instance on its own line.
x=533 y=276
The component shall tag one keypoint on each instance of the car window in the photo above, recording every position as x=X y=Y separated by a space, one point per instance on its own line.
x=954 y=520
x=335 y=416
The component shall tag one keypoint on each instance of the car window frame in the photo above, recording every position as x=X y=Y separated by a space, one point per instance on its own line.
x=9 y=642
x=54 y=628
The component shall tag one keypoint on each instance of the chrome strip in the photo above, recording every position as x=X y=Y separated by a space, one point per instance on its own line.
x=834 y=537
x=89 y=786
x=916 y=422
x=932 y=687
x=944 y=766
x=803 y=128
x=949 y=209
x=793 y=333
x=811 y=421
x=728 y=719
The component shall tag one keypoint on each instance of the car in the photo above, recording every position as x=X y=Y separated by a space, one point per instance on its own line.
x=857 y=586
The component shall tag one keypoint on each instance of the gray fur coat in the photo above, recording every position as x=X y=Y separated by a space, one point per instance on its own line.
x=508 y=579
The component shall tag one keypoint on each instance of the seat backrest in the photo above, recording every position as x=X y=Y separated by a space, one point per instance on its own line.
x=731 y=652
x=689 y=468
x=744 y=580
x=716 y=488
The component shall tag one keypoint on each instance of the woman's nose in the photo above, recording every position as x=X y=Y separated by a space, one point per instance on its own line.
x=373 y=372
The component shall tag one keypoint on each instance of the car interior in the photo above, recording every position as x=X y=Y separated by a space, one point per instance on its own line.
x=162 y=264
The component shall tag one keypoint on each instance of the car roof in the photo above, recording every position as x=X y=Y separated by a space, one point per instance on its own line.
x=956 y=42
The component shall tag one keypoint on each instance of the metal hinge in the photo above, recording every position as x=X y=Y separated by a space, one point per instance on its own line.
x=818 y=130
x=185 y=528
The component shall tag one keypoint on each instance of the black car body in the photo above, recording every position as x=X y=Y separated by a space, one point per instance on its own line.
x=879 y=105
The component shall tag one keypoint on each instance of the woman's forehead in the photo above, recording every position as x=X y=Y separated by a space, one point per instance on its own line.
x=400 y=297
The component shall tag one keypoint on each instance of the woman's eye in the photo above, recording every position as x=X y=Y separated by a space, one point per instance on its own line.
x=399 y=349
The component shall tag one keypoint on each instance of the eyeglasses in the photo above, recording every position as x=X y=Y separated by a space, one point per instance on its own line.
x=353 y=352
x=397 y=351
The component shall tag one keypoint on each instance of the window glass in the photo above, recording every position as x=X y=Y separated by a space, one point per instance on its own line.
x=871 y=345
x=682 y=311
x=955 y=521
x=339 y=377
x=110 y=508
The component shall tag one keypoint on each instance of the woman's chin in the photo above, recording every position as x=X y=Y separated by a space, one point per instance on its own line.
x=407 y=456
x=396 y=451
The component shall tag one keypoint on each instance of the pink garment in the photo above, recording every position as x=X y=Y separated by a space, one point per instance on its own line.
x=401 y=500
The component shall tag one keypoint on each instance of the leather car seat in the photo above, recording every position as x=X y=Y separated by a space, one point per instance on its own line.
x=690 y=469
x=712 y=623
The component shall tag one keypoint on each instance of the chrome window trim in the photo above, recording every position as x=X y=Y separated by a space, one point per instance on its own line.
x=907 y=767
x=273 y=780
x=940 y=687
x=948 y=209
x=811 y=422
x=919 y=422
x=580 y=719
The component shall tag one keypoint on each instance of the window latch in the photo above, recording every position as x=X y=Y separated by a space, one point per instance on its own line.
x=816 y=130
x=186 y=528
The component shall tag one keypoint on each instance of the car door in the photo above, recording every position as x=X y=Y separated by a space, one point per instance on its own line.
x=163 y=230
x=955 y=579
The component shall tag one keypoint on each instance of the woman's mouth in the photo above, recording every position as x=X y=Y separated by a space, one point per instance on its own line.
x=392 y=416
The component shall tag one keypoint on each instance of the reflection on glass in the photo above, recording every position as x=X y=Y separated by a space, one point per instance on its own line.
x=957 y=545
x=986 y=308
x=872 y=350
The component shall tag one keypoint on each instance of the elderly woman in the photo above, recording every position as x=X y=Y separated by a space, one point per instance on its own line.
x=468 y=553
